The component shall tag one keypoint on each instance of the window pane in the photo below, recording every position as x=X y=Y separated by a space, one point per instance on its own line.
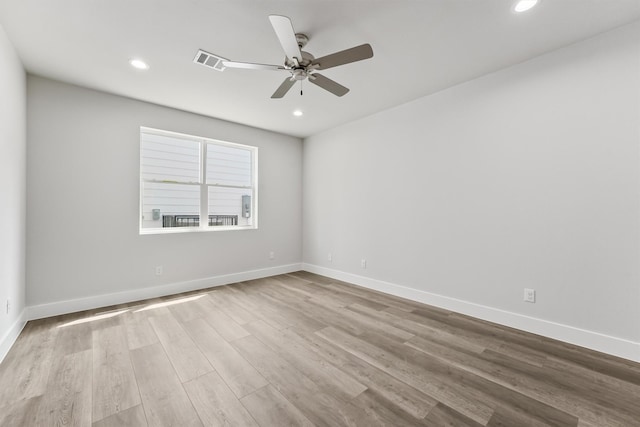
x=228 y=165
x=170 y=205
x=226 y=206
x=167 y=158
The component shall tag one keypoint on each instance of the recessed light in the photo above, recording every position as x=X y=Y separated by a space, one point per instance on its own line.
x=524 y=5
x=297 y=113
x=139 y=64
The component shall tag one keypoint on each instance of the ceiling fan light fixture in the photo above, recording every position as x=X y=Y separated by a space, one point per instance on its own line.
x=524 y=5
x=139 y=64
x=297 y=113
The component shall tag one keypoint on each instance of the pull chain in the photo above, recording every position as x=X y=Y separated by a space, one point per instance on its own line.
x=300 y=87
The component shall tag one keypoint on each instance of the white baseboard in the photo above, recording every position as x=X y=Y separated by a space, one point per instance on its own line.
x=581 y=337
x=88 y=303
x=11 y=335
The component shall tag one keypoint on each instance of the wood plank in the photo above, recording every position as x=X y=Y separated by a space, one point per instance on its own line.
x=438 y=388
x=339 y=293
x=308 y=289
x=105 y=317
x=189 y=309
x=617 y=367
x=222 y=323
x=247 y=301
x=442 y=415
x=293 y=287
x=380 y=297
x=139 y=330
x=255 y=302
x=132 y=417
x=508 y=395
x=26 y=369
x=515 y=351
x=322 y=409
x=381 y=412
x=73 y=339
x=310 y=277
x=336 y=315
x=415 y=328
x=625 y=391
x=114 y=383
x=215 y=402
x=328 y=316
x=505 y=416
x=328 y=377
x=288 y=316
x=482 y=383
x=577 y=396
x=270 y=408
x=23 y=413
x=164 y=400
x=288 y=279
x=67 y=400
x=224 y=301
x=240 y=376
x=374 y=325
x=400 y=394
x=185 y=356
x=609 y=365
x=480 y=335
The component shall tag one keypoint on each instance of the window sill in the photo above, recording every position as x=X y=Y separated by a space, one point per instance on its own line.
x=180 y=230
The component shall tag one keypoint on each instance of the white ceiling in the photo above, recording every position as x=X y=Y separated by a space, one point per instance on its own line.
x=420 y=47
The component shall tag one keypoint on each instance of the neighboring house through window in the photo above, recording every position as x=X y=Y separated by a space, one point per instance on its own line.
x=195 y=183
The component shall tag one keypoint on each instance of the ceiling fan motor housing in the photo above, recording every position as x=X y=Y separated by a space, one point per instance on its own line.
x=307 y=58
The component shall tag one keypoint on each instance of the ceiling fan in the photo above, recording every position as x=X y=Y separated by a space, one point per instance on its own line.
x=300 y=64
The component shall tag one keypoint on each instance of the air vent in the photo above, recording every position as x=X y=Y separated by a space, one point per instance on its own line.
x=209 y=60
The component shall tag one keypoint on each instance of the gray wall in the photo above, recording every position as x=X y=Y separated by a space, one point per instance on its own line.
x=12 y=191
x=524 y=178
x=83 y=198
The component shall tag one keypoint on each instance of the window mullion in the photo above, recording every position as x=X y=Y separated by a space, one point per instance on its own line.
x=204 y=193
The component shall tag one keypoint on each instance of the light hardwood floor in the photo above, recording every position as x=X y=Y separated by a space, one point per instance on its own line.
x=303 y=350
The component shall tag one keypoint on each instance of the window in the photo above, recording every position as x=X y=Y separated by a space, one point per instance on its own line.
x=192 y=183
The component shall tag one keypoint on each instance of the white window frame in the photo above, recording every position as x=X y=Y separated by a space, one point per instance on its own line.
x=204 y=187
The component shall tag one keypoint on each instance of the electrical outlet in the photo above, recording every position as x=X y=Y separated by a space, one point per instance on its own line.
x=272 y=255
x=529 y=295
x=363 y=263
x=159 y=270
x=330 y=257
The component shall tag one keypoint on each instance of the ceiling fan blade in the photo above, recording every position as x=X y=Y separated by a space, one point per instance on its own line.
x=346 y=56
x=287 y=36
x=250 y=66
x=284 y=88
x=328 y=84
